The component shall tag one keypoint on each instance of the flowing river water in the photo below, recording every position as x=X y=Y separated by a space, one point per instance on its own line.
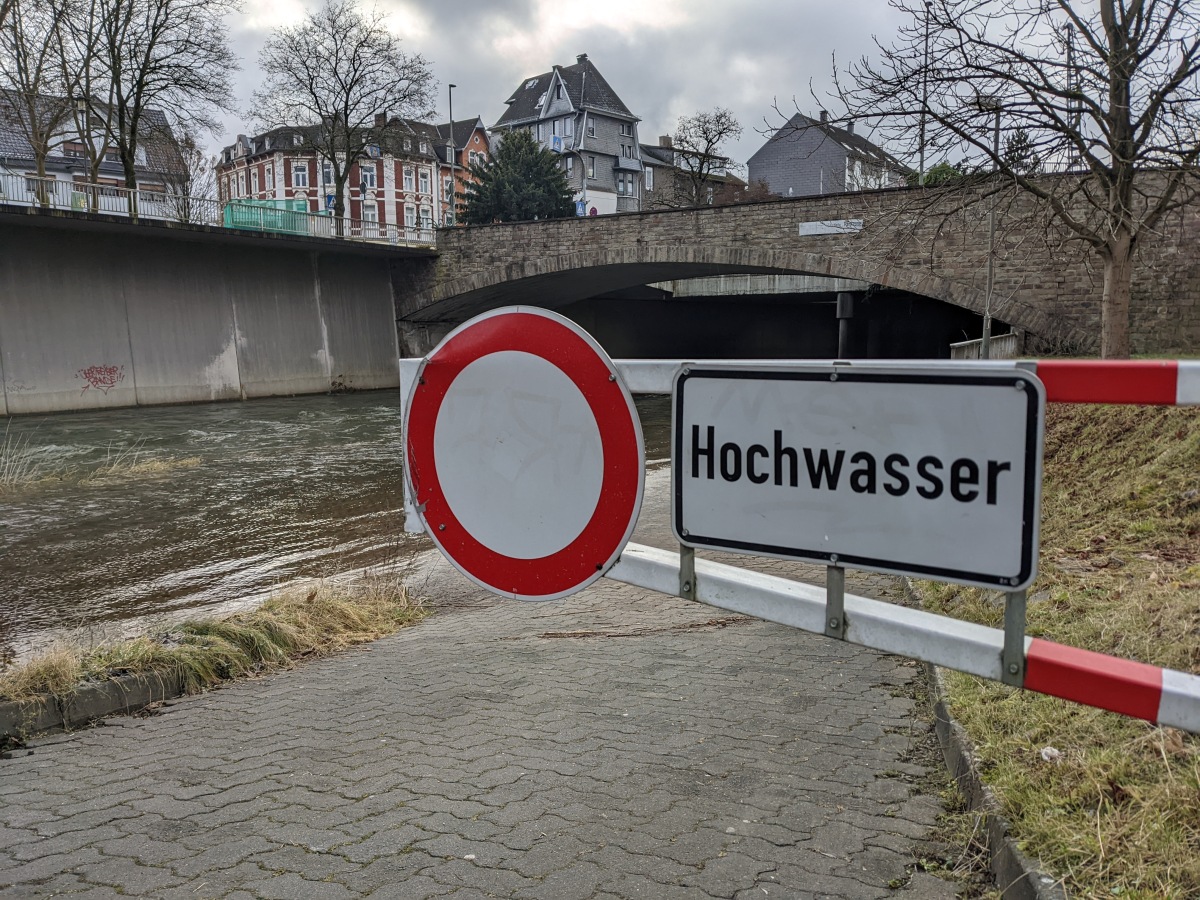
x=129 y=516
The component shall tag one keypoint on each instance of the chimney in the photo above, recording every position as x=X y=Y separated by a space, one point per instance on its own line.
x=850 y=126
x=581 y=58
x=824 y=116
x=380 y=119
x=664 y=140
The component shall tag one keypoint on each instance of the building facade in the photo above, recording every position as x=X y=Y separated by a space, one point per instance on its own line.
x=466 y=142
x=83 y=170
x=573 y=111
x=677 y=179
x=810 y=157
x=403 y=179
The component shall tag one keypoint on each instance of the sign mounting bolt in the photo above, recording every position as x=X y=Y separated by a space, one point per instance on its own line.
x=1013 y=668
x=442 y=527
x=833 y=557
x=833 y=623
x=833 y=377
x=1019 y=385
x=612 y=377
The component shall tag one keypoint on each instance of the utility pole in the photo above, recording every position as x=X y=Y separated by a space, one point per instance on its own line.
x=985 y=345
x=453 y=161
x=924 y=97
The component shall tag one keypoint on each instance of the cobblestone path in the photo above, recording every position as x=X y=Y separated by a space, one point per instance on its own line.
x=617 y=744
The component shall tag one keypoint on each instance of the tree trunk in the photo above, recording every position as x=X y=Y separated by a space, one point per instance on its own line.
x=1114 y=308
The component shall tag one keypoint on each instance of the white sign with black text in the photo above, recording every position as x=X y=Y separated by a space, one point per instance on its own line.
x=935 y=473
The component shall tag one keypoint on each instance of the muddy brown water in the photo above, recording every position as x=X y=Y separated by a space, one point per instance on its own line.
x=207 y=507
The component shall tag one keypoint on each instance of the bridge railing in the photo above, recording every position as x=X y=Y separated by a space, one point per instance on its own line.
x=173 y=206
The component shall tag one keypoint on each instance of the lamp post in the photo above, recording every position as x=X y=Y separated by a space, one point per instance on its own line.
x=453 y=161
x=991 y=104
x=924 y=95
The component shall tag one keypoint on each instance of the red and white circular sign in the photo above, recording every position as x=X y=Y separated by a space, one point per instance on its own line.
x=524 y=453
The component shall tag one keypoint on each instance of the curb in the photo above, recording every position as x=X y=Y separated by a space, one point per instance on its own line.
x=1018 y=876
x=46 y=713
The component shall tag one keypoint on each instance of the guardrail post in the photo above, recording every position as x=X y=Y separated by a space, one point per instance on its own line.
x=835 y=601
x=1012 y=657
x=687 y=572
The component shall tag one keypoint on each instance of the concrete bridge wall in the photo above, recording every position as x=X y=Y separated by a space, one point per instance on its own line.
x=1045 y=285
x=95 y=318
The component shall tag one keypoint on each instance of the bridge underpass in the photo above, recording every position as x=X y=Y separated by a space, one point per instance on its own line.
x=765 y=316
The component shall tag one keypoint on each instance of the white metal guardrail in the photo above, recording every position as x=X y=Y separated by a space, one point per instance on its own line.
x=169 y=206
x=1127 y=687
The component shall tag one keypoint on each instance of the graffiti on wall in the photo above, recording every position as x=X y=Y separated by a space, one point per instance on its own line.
x=102 y=378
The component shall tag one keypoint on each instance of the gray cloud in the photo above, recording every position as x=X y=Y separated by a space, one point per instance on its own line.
x=742 y=56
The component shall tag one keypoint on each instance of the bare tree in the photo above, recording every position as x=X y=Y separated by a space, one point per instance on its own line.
x=336 y=78
x=699 y=155
x=31 y=77
x=5 y=8
x=167 y=54
x=1102 y=91
x=191 y=185
x=85 y=75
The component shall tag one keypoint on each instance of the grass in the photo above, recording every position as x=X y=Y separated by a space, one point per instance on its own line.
x=1117 y=812
x=23 y=465
x=299 y=624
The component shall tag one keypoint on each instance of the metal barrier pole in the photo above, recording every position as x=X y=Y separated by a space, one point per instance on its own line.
x=835 y=600
x=687 y=572
x=1012 y=657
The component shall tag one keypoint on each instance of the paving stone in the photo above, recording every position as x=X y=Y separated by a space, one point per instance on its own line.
x=679 y=760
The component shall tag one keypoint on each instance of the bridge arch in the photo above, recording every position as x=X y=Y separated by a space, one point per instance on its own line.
x=556 y=280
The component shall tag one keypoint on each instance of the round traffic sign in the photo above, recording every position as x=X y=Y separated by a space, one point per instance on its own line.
x=524 y=453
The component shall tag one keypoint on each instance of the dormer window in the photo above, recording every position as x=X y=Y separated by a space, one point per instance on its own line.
x=542 y=99
x=558 y=91
x=531 y=84
x=424 y=147
x=297 y=140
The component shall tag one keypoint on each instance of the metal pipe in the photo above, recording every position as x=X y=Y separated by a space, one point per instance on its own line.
x=453 y=154
x=985 y=345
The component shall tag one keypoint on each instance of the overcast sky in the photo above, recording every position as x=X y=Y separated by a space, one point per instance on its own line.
x=664 y=58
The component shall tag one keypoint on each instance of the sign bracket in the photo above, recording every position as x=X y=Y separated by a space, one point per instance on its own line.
x=687 y=572
x=1012 y=657
x=835 y=601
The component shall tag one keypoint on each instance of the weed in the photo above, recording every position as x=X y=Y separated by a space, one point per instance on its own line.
x=303 y=622
x=1115 y=811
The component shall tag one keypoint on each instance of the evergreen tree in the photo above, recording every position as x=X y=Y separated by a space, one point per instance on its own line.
x=521 y=181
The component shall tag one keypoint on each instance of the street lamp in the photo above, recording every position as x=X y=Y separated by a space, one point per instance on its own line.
x=990 y=104
x=453 y=154
x=924 y=94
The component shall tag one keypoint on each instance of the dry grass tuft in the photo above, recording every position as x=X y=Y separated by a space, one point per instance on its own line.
x=1118 y=813
x=303 y=622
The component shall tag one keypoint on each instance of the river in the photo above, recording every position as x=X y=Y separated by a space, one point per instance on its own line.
x=132 y=516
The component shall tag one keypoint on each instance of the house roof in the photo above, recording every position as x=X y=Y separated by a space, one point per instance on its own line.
x=462 y=129
x=585 y=86
x=390 y=138
x=854 y=144
x=158 y=142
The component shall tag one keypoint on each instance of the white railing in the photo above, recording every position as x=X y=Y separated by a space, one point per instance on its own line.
x=171 y=206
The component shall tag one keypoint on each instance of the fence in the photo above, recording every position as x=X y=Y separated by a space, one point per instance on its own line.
x=171 y=206
x=1130 y=688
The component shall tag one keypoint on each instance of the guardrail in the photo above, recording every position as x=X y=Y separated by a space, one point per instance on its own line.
x=171 y=206
x=1135 y=689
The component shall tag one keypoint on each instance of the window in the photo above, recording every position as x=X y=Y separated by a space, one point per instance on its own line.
x=541 y=99
x=591 y=127
x=569 y=126
x=626 y=184
x=424 y=181
x=558 y=91
x=408 y=145
x=300 y=173
x=541 y=131
x=297 y=140
x=241 y=184
x=368 y=176
x=254 y=181
x=531 y=84
x=591 y=167
x=570 y=164
x=424 y=146
x=410 y=216
x=447 y=189
x=627 y=129
x=327 y=172
x=627 y=151
x=426 y=217
x=408 y=179
x=370 y=212
x=270 y=177
x=649 y=179
x=556 y=126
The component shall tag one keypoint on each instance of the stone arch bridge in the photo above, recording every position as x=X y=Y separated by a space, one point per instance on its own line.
x=1044 y=286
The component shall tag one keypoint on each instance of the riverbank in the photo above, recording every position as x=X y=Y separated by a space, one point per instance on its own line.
x=305 y=622
x=1107 y=803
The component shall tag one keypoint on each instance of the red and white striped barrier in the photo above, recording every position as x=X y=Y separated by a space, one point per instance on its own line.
x=1157 y=382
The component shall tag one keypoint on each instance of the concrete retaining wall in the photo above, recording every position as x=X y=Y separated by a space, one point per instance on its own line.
x=91 y=320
